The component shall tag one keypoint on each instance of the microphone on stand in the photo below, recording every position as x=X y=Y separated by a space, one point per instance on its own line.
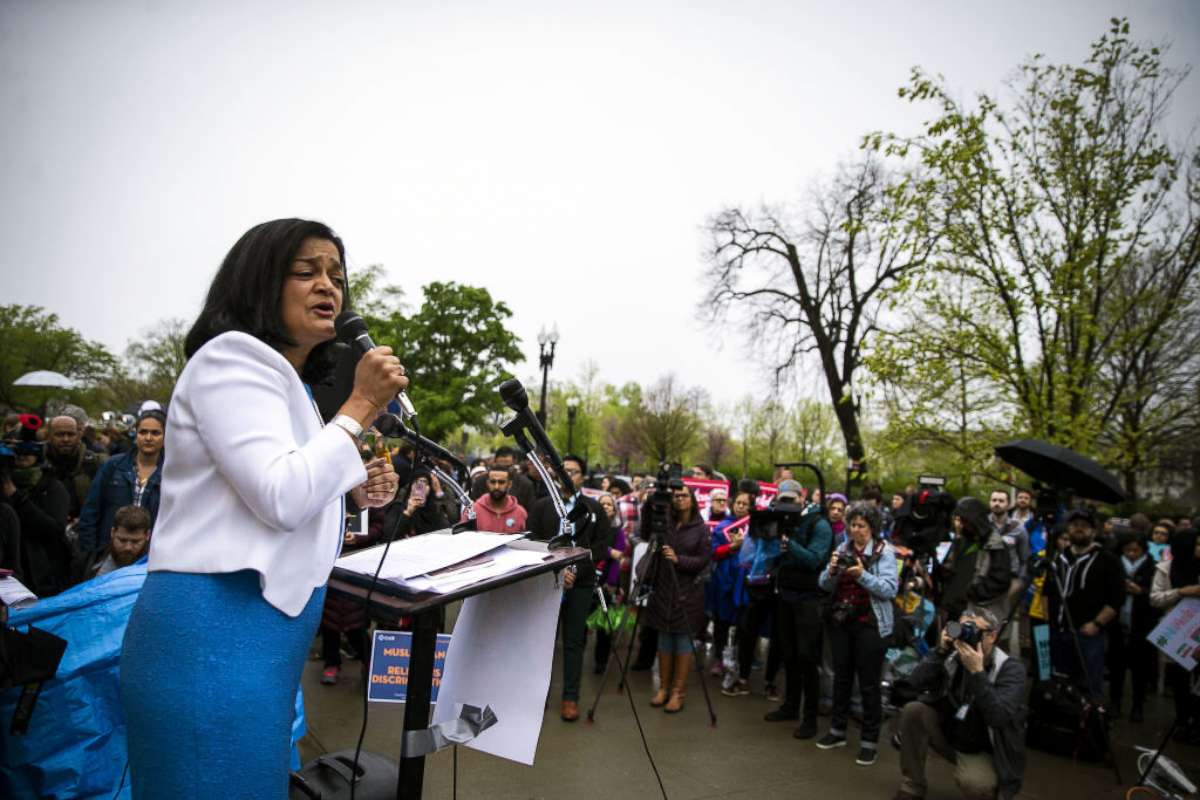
x=516 y=398
x=392 y=427
x=352 y=330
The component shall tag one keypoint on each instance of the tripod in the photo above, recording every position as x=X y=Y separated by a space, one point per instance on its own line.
x=646 y=588
x=1109 y=755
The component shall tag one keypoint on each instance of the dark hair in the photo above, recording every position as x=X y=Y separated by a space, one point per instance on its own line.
x=582 y=462
x=872 y=493
x=245 y=293
x=693 y=507
x=151 y=413
x=1131 y=537
x=504 y=451
x=132 y=518
x=868 y=513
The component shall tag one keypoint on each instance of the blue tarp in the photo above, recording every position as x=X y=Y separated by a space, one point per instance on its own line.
x=75 y=746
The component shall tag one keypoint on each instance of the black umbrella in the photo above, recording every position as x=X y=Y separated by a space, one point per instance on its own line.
x=1062 y=469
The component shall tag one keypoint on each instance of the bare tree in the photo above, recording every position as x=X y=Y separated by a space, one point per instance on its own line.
x=816 y=286
x=717 y=445
x=667 y=424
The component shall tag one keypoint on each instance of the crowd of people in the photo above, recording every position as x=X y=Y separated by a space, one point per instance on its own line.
x=77 y=502
x=820 y=596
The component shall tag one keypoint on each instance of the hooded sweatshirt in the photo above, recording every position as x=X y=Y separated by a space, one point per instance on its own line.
x=978 y=569
x=510 y=518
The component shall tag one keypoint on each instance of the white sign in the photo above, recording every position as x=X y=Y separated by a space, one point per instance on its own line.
x=501 y=656
x=1178 y=634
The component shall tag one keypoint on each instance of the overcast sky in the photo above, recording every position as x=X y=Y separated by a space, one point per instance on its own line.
x=564 y=158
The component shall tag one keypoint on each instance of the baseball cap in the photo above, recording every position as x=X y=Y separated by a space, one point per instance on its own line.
x=790 y=487
x=1083 y=514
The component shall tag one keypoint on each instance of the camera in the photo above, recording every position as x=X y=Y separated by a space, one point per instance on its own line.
x=844 y=560
x=966 y=632
x=925 y=519
x=781 y=519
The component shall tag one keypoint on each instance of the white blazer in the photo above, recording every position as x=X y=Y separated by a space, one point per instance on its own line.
x=251 y=477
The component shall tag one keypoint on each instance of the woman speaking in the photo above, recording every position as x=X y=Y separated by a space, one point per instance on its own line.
x=250 y=520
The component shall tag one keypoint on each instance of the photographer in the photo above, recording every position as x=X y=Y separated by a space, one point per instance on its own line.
x=971 y=712
x=41 y=504
x=861 y=575
x=804 y=551
x=676 y=607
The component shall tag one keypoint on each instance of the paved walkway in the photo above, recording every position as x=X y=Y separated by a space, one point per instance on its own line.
x=743 y=757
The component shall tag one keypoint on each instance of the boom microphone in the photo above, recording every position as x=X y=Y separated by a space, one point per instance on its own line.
x=352 y=330
x=392 y=427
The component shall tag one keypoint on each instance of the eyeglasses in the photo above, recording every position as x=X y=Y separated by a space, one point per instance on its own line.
x=572 y=471
x=678 y=495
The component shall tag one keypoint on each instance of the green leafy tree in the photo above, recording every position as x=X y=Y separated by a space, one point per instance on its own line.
x=33 y=339
x=455 y=347
x=157 y=357
x=1062 y=211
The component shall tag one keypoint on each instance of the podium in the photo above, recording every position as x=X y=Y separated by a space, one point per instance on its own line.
x=389 y=604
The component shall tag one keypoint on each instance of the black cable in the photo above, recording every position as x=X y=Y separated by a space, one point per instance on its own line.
x=362 y=733
x=638 y=721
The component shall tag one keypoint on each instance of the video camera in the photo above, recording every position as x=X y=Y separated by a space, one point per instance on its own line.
x=924 y=521
x=781 y=519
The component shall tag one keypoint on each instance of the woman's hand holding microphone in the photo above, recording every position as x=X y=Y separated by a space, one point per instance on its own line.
x=378 y=378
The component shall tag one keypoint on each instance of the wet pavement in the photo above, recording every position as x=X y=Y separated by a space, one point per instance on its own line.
x=742 y=757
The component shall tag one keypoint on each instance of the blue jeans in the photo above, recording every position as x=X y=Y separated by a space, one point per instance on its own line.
x=1065 y=659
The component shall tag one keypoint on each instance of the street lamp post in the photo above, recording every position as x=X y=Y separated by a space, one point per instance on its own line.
x=546 y=360
x=572 y=409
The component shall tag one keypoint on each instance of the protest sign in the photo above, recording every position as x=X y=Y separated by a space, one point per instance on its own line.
x=390 y=655
x=1178 y=634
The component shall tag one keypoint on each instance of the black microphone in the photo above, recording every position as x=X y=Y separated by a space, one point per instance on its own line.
x=515 y=397
x=352 y=330
x=392 y=427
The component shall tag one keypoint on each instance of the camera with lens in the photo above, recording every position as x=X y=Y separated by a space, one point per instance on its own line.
x=844 y=560
x=966 y=632
x=925 y=519
x=781 y=519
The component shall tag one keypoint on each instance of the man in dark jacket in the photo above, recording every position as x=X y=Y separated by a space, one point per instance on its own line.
x=972 y=713
x=978 y=570
x=596 y=534
x=1092 y=581
x=803 y=554
x=71 y=462
x=41 y=504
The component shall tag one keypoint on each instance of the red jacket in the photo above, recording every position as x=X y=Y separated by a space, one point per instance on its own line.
x=510 y=519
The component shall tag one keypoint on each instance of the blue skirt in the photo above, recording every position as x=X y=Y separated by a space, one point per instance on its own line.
x=209 y=672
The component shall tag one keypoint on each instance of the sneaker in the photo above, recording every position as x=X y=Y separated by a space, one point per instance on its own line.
x=772 y=693
x=737 y=689
x=781 y=715
x=866 y=756
x=831 y=740
x=330 y=676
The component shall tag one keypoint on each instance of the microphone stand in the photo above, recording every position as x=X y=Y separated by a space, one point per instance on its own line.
x=391 y=425
x=566 y=525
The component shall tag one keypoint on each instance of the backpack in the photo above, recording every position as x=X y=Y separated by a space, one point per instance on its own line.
x=1064 y=722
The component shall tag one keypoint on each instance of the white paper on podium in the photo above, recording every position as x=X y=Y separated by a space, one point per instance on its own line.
x=420 y=555
x=501 y=655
